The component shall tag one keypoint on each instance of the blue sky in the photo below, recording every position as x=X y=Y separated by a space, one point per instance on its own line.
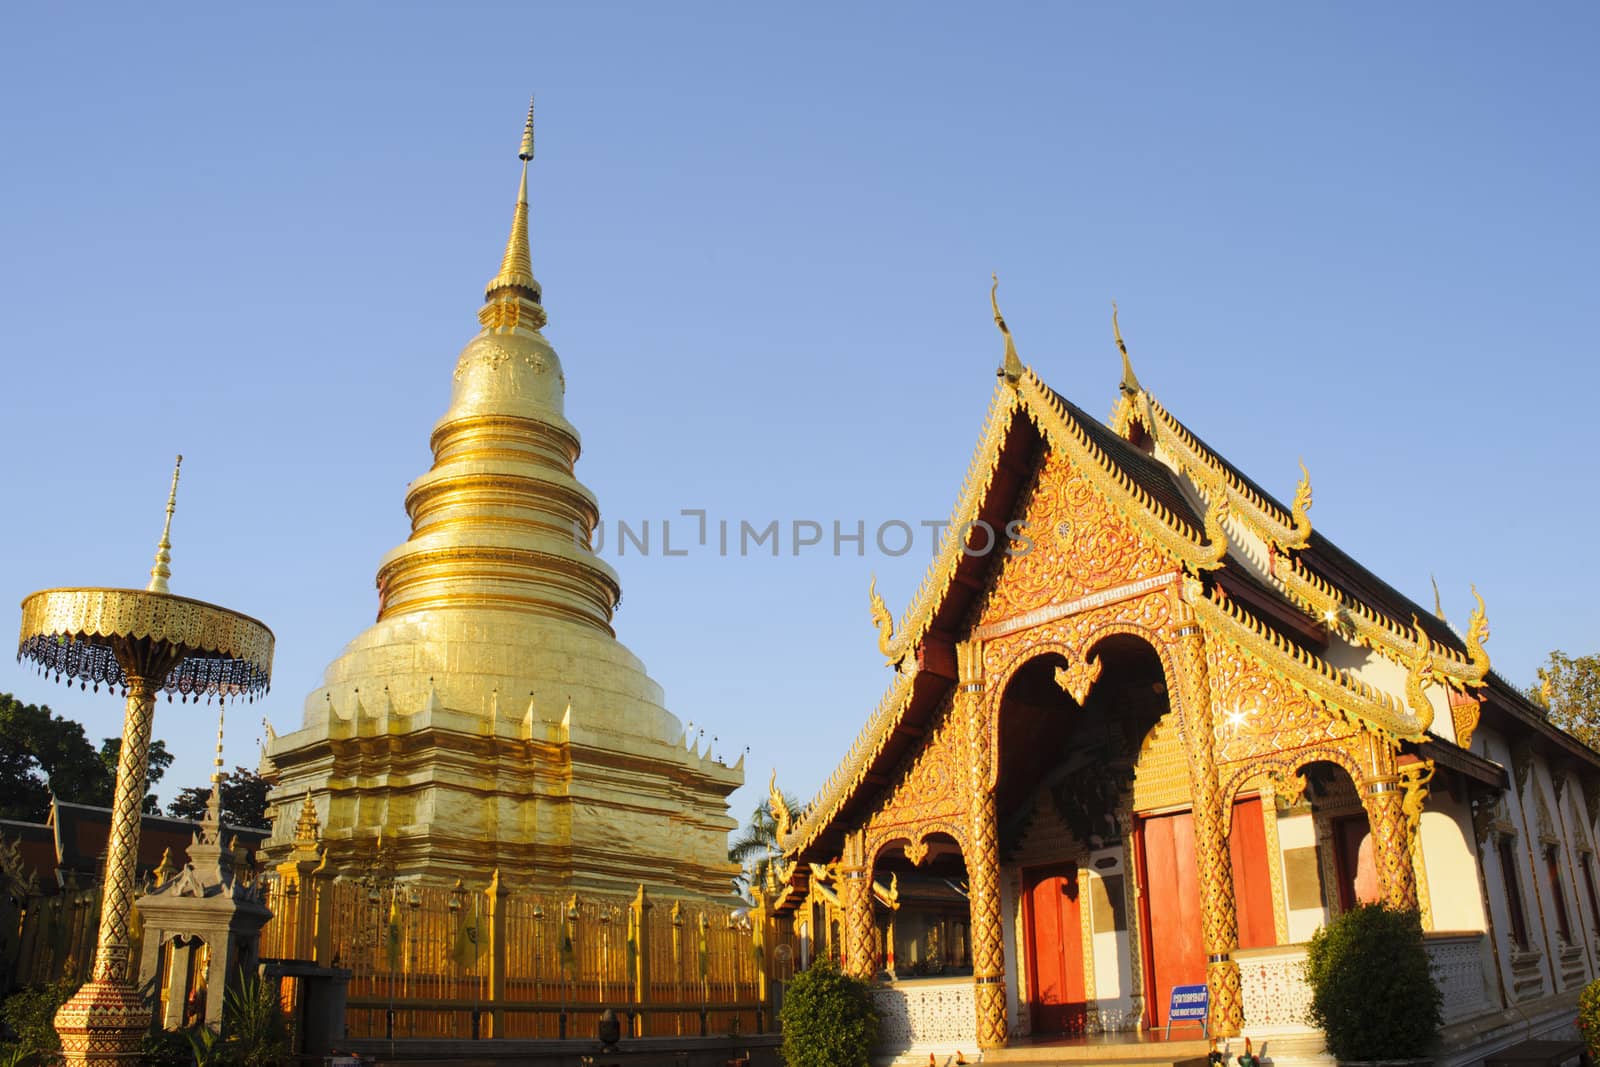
x=1359 y=234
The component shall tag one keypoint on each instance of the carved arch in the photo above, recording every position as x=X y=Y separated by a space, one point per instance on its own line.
x=1073 y=652
x=915 y=840
x=1284 y=767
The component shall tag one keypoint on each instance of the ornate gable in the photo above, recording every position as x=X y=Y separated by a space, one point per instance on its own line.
x=1072 y=544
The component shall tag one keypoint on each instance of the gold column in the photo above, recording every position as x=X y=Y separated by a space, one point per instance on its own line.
x=983 y=865
x=1390 y=845
x=855 y=893
x=96 y=1023
x=1219 y=918
x=111 y=958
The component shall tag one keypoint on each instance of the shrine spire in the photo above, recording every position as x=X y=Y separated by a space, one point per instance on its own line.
x=516 y=265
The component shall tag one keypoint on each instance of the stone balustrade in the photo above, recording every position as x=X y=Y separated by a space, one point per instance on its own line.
x=1277 y=997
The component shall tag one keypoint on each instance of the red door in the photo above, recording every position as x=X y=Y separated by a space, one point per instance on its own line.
x=1055 y=950
x=1356 y=862
x=1171 y=909
x=1252 y=878
x=1176 y=946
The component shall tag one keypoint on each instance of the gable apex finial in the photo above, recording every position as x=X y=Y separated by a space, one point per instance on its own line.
x=1130 y=381
x=1011 y=368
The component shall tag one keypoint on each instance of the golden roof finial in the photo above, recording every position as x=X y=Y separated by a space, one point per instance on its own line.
x=1438 y=605
x=516 y=266
x=1011 y=369
x=1130 y=381
x=163 y=565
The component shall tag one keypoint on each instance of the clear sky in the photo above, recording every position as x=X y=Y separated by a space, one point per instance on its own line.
x=1362 y=235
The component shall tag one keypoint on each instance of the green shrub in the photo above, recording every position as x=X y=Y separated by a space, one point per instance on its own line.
x=827 y=1019
x=1372 y=993
x=30 y=1014
x=254 y=1029
x=1589 y=1017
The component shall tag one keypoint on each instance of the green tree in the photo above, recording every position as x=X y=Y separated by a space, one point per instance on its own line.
x=1569 y=692
x=756 y=846
x=42 y=753
x=160 y=760
x=244 y=799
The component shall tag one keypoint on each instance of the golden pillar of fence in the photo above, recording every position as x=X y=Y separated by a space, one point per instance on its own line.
x=322 y=913
x=760 y=924
x=639 y=938
x=497 y=894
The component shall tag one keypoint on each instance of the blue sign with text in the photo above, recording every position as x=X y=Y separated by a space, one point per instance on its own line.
x=1190 y=1003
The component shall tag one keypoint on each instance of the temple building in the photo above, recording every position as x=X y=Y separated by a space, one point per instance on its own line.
x=490 y=718
x=1148 y=728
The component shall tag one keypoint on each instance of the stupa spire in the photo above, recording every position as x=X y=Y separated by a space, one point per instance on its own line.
x=516 y=265
x=163 y=565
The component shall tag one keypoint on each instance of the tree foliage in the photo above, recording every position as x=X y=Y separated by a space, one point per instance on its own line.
x=42 y=753
x=1372 y=993
x=244 y=799
x=1569 y=692
x=827 y=1019
x=30 y=1015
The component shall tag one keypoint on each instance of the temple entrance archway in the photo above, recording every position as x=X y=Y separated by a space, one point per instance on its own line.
x=1064 y=802
x=1096 y=823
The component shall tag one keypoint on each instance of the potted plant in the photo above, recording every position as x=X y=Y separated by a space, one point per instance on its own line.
x=1372 y=992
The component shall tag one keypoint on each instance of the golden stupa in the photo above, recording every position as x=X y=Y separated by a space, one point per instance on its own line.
x=490 y=718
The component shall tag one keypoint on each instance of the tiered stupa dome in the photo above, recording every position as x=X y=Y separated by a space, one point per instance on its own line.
x=494 y=622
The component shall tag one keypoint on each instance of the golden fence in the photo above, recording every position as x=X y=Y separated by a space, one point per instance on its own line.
x=431 y=961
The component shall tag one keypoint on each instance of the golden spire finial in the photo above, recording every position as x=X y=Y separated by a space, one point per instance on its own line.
x=1011 y=369
x=516 y=266
x=527 y=135
x=1438 y=605
x=1130 y=381
x=163 y=565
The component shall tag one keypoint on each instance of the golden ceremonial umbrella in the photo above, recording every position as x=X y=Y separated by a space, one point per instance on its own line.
x=141 y=642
